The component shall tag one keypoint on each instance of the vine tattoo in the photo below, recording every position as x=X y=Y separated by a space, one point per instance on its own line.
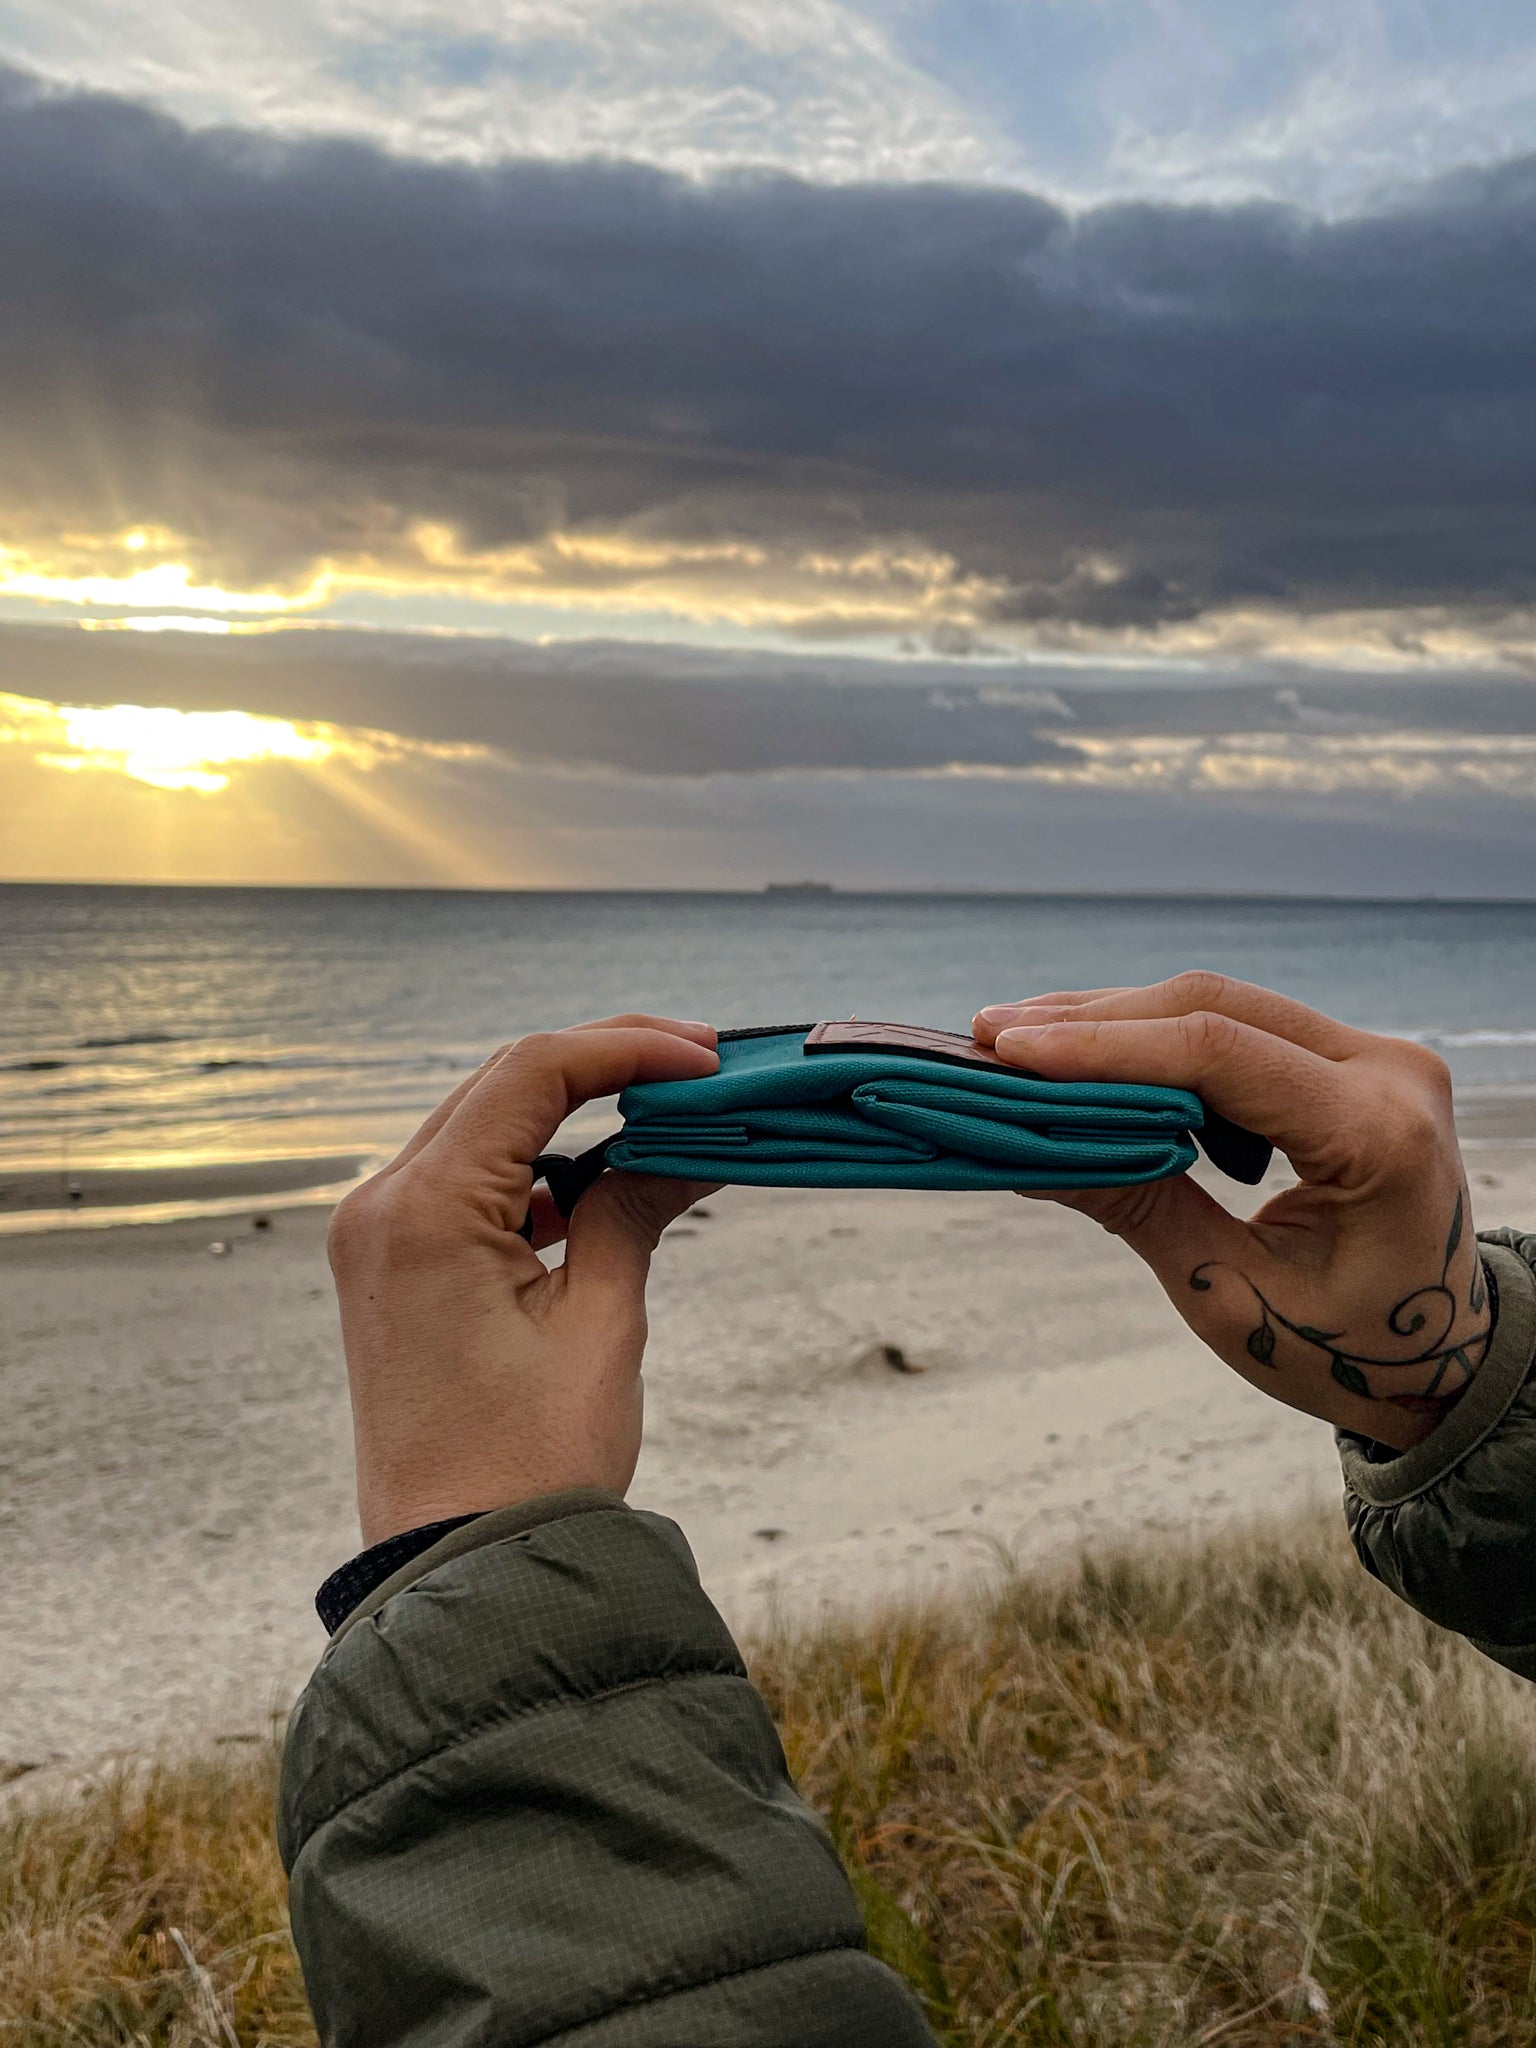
x=1428 y=1313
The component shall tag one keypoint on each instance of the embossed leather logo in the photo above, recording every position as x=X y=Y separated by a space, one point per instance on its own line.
x=857 y=1035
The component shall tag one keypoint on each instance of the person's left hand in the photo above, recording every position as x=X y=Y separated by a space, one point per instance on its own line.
x=479 y=1376
x=1357 y=1295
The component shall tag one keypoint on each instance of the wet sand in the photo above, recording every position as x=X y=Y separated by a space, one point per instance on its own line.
x=175 y=1466
x=54 y=1195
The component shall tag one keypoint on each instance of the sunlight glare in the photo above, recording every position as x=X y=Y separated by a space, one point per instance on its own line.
x=162 y=584
x=169 y=622
x=179 y=749
x=167 y=583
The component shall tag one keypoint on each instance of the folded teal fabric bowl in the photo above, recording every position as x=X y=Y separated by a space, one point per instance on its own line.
x=844 y=1106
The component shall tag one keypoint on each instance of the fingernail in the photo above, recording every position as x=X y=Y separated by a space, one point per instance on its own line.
x=1020 y=1034
x=999 y=1013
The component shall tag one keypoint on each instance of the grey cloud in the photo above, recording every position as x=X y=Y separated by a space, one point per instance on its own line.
x=639 y=709
x=617 y=763
x=288 y=351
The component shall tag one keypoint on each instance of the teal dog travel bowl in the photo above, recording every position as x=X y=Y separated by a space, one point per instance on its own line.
x=864 y=1105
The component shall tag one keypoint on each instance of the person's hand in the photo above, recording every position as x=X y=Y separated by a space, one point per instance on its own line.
x=1357 y=1295
x=479 y=1376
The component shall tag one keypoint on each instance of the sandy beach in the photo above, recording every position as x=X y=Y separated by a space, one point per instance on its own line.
x=175 y=1473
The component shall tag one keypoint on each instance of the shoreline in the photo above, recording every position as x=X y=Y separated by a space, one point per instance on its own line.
x=37 y=1200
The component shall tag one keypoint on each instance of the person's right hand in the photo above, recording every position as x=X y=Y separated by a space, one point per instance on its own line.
x=480 y=1377
x=1357 y=1295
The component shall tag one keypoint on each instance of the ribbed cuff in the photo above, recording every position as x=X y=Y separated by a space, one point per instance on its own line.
x=1388 y=1482
x=468 y=1533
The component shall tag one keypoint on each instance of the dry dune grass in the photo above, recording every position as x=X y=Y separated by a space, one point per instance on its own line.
x=149 y=1906
x=1223 y=1791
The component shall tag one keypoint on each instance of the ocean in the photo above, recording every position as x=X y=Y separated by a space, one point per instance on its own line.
x=141 y=1027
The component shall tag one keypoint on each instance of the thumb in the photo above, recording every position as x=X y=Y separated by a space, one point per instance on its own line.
x=613 y=1231
x=1176 y=1227
x=1173 y=1224
x=1222 y=1278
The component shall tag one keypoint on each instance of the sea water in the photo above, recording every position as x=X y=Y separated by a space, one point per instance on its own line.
x=143 y=1025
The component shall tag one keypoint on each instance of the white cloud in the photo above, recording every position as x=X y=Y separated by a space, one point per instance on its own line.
x=806 y=85
x=1298 y=763
x=1322 y=102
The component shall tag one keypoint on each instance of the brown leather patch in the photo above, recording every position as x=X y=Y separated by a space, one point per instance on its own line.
x=858 y=1036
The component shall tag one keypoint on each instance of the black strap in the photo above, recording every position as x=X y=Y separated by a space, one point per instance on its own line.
x=1241 y=1154
x=567 y=1179
x=761 y=1031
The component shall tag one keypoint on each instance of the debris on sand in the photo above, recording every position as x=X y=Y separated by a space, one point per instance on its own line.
x=890 y=1355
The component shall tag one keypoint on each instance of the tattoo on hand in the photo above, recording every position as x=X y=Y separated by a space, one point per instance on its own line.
x=1407 y=1318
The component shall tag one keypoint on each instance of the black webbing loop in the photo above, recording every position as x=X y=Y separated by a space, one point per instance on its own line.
x=567 y=1179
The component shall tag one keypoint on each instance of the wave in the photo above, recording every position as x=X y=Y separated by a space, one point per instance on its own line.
x=1459 y=1040
x=277 y=1063
x=296 y=1060
x=128 y=1038
x=343 y=1063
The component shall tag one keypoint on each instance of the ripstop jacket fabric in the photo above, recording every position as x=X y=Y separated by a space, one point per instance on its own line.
x=531 y=1798
x=1450 y=1525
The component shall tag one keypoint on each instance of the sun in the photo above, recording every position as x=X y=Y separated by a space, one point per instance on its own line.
x=185 y=750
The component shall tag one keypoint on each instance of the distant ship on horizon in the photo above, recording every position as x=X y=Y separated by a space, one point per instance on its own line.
x=797 y=888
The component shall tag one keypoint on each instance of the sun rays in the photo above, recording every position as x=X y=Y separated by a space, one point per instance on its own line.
x=230 y=793
x=184 y=750
x=162 y=584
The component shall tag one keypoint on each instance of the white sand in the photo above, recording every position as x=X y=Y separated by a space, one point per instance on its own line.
x=175 y=1476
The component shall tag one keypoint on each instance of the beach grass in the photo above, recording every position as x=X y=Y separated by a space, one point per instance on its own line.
x=1209 y=1790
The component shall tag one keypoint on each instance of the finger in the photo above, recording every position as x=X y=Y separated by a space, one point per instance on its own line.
x=700 y=1034
x=505 y=1122
x=635 y=1020
x=1200 y=990
x=552 y=1226
x=1174 y=1224
x=429 y=1129
x=613 y=1231
x=996 y=1017
x=549 y=1226
x=1300 y=1101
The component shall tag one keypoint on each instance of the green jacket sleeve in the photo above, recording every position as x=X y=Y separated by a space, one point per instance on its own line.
x=530 y=1797
x=1451 y=1524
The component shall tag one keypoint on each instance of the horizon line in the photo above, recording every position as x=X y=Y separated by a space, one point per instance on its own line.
x=763 y=892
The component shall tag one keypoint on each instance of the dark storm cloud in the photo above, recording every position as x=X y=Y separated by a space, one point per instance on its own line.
x=292 y=351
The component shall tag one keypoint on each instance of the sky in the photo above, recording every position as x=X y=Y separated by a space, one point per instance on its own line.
x=1029 y=444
